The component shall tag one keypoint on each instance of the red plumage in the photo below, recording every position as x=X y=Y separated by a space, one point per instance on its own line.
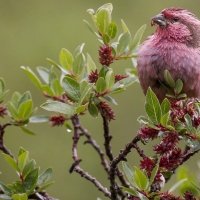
x=174 y=46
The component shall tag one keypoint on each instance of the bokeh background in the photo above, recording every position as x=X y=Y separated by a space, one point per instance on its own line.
x=30 y=32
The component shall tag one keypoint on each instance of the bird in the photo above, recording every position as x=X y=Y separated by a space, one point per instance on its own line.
x=175 y=46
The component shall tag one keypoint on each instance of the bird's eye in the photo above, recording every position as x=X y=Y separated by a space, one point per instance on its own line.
x=175 y=19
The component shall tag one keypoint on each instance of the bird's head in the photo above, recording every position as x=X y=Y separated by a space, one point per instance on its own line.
x=178 y=24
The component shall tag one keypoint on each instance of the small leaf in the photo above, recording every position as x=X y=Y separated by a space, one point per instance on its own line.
x=78 y=65
x=103 y=20
x=112 y=30
x=93 y=110
x=45 y=176
x=15 y=99
x=140 y=179
x=66 y=59
x=25 y=130
x=89 y=26
x=30 y=181
x=125 y=82
x=56 y=87
x=25 y=109
x=101 y=85
x=164 y=119
x=47 y=90
x=80 y=109
x=11 y=162
x=84 y=93
x=123 y=42
x=110 y=79
x=152 y=106
x=57 y=66
x=20 y=196
x=125 y=28
x=165 y=106
x=12 y=111
x=72 y=88
x=110 y=99
x=5 y=189
x=103 y=71
x=23 y=160
x=129 y=191
x=78 y=50
x=90 y=64
x=5 y=196
x=32 y=76
x=26 y=96
x=178 y=86
x=45 y=186
x=153 y=175
x=188 y=121
x=180 y=96
x=176 y=185
x=59 y=107
x=137 y=38
x=21 y=151
x=44 y=73
x=28 y=167
x=106 y=38
x=169 y=79
x=108 y=6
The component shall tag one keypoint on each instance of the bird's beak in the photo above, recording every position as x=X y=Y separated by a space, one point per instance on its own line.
x=158 y=20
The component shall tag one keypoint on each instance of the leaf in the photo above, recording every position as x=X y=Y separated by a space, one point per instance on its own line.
x=44 y=73
x=78 y=50
x=123 y=42
x=103 y=71
x=59 y=107
x=25 y=130
x=103 y=20
x=15 y=99
x=110 y=79
x=20 y=196
x=26 y=96
x=21 y=151
x=89 y=26
x=30 y=181
x=72 y=88
x=5 y=196
x=90 y=64
x=66 y=59
x=129 y=173
x=105 y=38
x=85 y=93
x=39 y=119
x=56 y=87
x=108 y=6
x=23 y=160
x=165 y=106
x=112 y=30
x=12 y=111
x=169 y=79
x=178 y=86
x=78 y=64
x=28 y=167
x=80 y=109
x=180 y=96
x=45 y=186
x=5 y=189
x=177 y=184
x=152 y=106
x=137 y=38
x=101 y=85
x=110 y=99
x=129 y=191
x=140 y=179
x=32 y=76
x=45 y=176
x=153 y=175
x=57 y=66
x=2 y=86
x=93 y=110
x=164 y=119
x=125 y=28
x=188 y=121
x=11 y=162
x=125 y=82
x=25 y=109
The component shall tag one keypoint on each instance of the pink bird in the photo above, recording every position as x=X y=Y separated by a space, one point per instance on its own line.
x=175 y=46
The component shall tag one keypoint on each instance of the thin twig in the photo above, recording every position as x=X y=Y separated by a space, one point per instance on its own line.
x=75 y=166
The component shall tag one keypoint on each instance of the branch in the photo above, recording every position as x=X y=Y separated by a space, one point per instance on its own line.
x=75 y=166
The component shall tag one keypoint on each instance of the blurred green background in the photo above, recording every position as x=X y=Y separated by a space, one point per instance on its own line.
x=30 y=32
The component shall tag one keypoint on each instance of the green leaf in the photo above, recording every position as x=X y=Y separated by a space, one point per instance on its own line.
x=140 y=179
x=112 y=30
x=129 y=191
x=125 y=82
x=5 y=189
x=3 y=95
x=180 y=96
x=66 y=59
x=59 y=107
x=125 y=28
x=103 y=71
x=15 y=99
x=45 y=186
x=57 y=66
x=110 y=79
x=177 y=184
x=78 y=50
x=108 y=98
x=56 y=87
x=45 y=176
x=2 y=86
x=26 y=96
x=28 y=167
x=80 y=109
x=25 y=109
x=153 y=175
x=47 y=90
x=84 y=93
x=169 y=79
x=106 y=38
x=103 y=20
x=93 y=110
x=137 y=38
x=164 y=119
x=5 y=196
x=12 y=111
x=89 y=26
x=188 y=121
x=108 y=6
x=30 y=181
x=141 y=196
x=32 y=76
x=39 y=119
x=20 y=196
x=78 y=64
x=101 y=85
x=90 y=64
x=152 y=106
x=44 y=73
x=25 y=130
x=145 y=121
x=11 y=162
x=72 y=88
x=165 y=106
x=129 y=173
x=123 y=42
x=178 y=86
x=21 y=151
x=23 y=160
